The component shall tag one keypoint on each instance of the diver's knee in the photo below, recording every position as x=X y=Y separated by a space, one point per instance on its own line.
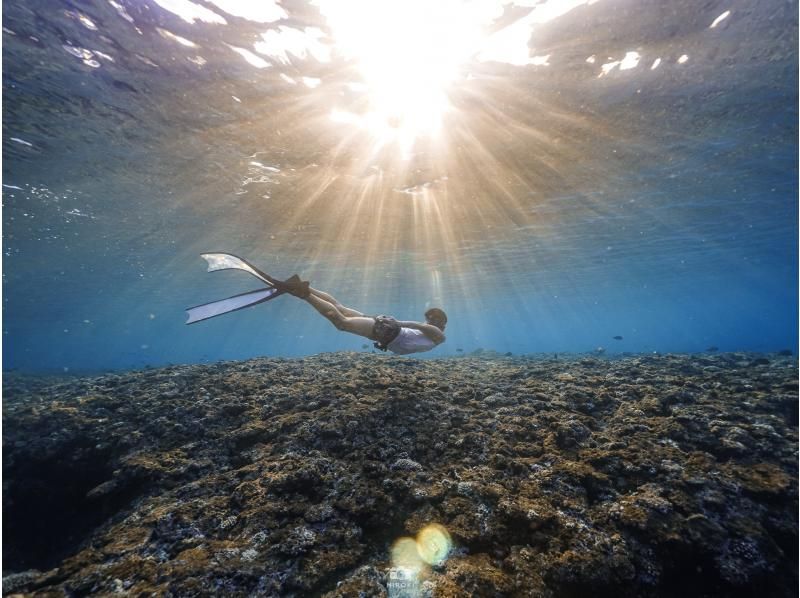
x=337 y=320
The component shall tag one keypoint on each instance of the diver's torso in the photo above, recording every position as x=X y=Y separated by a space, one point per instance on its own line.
x=410 y=341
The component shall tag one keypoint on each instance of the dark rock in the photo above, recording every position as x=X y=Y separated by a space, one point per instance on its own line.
x=655 y=475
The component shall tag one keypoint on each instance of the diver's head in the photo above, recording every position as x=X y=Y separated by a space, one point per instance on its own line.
x=436 y=317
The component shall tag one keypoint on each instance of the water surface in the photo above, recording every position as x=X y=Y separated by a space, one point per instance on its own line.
x=613 y=168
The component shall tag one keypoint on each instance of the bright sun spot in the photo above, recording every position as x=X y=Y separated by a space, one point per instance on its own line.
x=720 y=18
x=408 y=53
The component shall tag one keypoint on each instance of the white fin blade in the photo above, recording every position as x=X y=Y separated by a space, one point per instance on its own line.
x=223 y=306
x=226 y=261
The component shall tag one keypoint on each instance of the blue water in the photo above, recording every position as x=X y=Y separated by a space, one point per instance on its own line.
x=557 y=207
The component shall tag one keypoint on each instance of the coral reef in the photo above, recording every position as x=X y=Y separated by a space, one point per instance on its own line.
x=654 y=475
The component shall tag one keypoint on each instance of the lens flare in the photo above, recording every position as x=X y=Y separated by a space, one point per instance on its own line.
x=405 y=554
x=433 y=544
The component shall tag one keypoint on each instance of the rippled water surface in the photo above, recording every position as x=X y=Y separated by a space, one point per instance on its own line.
x=553 y=174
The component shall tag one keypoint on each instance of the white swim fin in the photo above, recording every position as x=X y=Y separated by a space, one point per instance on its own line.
x=224 y=306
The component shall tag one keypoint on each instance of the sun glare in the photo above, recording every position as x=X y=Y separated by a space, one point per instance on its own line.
x=408 y=53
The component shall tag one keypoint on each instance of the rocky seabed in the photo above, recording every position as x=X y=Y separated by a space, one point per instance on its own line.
x=656 y=475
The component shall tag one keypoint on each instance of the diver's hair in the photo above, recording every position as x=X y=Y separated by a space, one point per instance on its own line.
x=435 y=313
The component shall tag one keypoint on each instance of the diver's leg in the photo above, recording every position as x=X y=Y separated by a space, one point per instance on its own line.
x=326 y=308
x=360 y=325
x=347 y=311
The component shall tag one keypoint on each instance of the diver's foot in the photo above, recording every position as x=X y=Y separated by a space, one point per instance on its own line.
x=298 y=288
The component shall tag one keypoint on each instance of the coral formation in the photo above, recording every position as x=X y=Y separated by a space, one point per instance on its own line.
x=640 y=476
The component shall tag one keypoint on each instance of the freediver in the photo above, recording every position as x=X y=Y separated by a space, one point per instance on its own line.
x=388 y=334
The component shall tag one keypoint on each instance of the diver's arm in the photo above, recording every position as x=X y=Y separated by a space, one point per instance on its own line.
x=429 y=330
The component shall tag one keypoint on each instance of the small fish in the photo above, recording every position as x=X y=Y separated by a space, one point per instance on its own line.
x=365 y=346
x=712 y=349
x=460 y=350
x=617 y=338
x=599 y=351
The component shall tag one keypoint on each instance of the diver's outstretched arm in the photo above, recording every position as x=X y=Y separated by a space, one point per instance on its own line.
x=345 y=311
